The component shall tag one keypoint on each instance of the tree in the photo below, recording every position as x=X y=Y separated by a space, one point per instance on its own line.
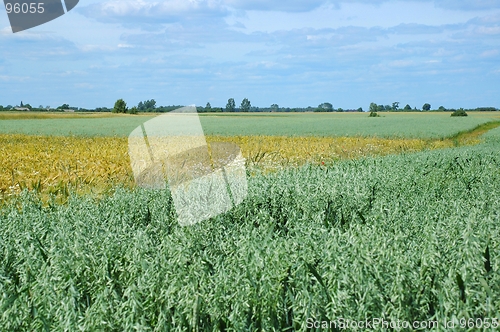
x=373 y=110
x=63 y=107
x=120 y=106
x=274 y=107
x=395 y=106
x=150 y=104
x=340 y=109
x=442 y=108
x=231 y=105
x=208 y=108
x=426 y=107
x=325 y=107
x=360 y=109
x=21 y=104
x=245 y=105
x=147 y=106
x=133 y=110
x=407 y=108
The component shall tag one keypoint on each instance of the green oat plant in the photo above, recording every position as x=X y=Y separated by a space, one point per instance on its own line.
x=411 y=237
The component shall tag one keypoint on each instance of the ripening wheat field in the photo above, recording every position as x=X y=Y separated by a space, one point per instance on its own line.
x=57 y=164
x=356 y=228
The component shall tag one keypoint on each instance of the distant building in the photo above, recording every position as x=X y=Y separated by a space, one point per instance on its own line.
x=68 y=110
x=21 y=108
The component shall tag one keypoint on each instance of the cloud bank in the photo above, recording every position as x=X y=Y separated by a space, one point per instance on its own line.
x=295 y=53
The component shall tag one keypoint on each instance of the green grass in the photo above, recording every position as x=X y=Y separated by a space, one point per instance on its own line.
x=407 y=125
x=411 y=237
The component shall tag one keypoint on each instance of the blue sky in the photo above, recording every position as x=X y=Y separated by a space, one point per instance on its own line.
x=293 y=53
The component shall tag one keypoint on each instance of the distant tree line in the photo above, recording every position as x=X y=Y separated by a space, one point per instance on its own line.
x=246 y=106
x=120 y=107
x=149 y=106
x=425 y=108
x=328 y=107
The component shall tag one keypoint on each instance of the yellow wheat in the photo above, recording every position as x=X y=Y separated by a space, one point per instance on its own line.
x=54 y=165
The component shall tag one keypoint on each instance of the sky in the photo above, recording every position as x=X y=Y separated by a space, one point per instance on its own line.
x=293 y=53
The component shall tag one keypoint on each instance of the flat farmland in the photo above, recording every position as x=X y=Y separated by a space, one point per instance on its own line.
x=389 y=125
x=86 y=153
x=348 y=217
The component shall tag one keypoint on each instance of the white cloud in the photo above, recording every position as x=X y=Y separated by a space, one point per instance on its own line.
x=84 y=86
x=468 y=5
x=151 y=12
x=417 y=29
x=15 y=79
x=307 y=5
x=489 y=53
x=489 y=30
x=276 y=5
x=402 y=63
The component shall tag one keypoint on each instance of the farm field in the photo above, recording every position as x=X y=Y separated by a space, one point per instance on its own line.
x=389 y=125
x=345 y=217
x=56 y=165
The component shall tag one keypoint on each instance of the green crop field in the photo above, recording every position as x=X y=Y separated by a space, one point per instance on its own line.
x=407 y=125
x=413 y=237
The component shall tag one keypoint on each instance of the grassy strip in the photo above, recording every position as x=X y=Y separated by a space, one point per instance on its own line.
x=471 y=136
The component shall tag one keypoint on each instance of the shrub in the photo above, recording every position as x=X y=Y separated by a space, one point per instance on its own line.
x=459 y=112
x=373 y=114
